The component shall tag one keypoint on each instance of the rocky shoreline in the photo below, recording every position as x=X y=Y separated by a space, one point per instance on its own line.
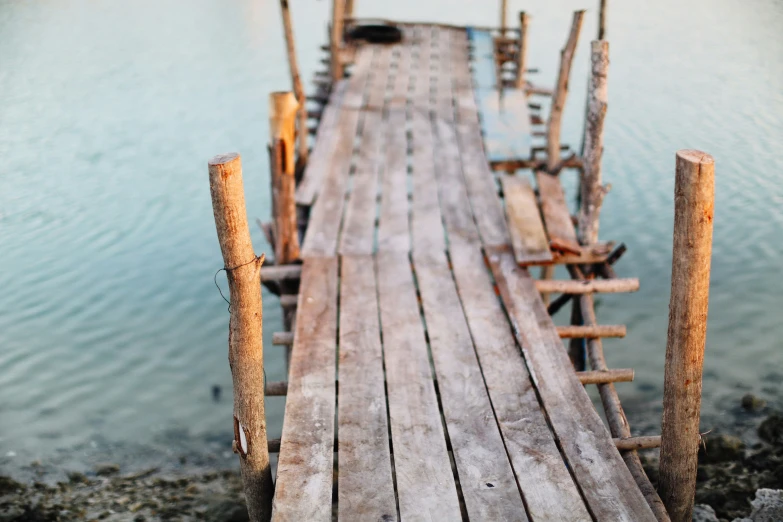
x=731 y=471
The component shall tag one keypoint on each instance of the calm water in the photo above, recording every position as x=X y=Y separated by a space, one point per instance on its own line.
x=111 y=330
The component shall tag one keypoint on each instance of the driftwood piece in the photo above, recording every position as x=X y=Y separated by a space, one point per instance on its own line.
x=589 y=286
x=589 y=332
x=296 y=80
x=561 y=92
x=245 y=339
x=592 y=191
x=638 y=443
x=282 y=109
x=694 y=193
x=604 y=376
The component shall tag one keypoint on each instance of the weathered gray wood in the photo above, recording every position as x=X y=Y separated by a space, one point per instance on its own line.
x=358 y=234
x=694 y=194
x=282 y=121
x=325 y=147
x=281 y=272
x=296 y=80
x=245 y=339
x=365 y=490
x=592 y=191
x=638 y=443
x=528 y=236
x=304 y=470
x=393 y=225
x=561 y=92
x=606 y=483
x=549 y=491
x=486 y=477
x=557 y=218
x=324 y=227
x=426 y=220
x=425 y=484
x=524 y=19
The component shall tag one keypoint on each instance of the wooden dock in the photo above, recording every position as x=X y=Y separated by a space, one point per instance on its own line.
x=427 y=379
x=407 y=248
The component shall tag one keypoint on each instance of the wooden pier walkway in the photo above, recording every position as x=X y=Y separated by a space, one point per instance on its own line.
x=427 y=379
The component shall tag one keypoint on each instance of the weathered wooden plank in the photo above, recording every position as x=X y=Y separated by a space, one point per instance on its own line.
x=422 y=42
x=394 y=223
x=358 y=234
x=303 y=488
x=549 y=490
x=486 y=477
x=365 y=490
x=528 y=236
x=321 y=155
x=482 y=187
x=605 y=481
x=557 y=218
x=324 y=225
x=425 y=485
x=426 y=220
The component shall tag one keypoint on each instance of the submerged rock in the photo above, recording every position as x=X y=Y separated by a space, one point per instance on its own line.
x=771 y=430
x=752 y=403
x=9 y=485
x=107 y=468
x=704 y=513
x=226 y=509
x=721 y=448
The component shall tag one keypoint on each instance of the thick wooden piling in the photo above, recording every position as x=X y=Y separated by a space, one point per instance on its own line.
x=693 y=213
x=592 y=191
x=296 y=81
x=560 y=94
x=245 y=339
x=522 y=51
x=602 y=21
x=283 y=108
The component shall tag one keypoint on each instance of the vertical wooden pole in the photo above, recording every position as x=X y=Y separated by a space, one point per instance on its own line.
x=336 y=40
x=296 y=81
x=282 y=110
x=245 y=335
x=693 y=212
x=602 y=21
x=560 y=94
x=348 y=9
x=592 y=192
x=522 y=55
x=503 y=13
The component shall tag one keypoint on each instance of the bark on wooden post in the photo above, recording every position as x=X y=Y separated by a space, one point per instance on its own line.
x=602 y=21
x=503 y=12
x=522 y=53
x=282 y=109
x=560 y=94
x=245 y=335
x=693 y=212
x=296 y=81
x=336 y=40
x=592 y=191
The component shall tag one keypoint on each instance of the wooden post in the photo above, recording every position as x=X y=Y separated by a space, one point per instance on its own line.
x=348 y=9
x=547 y=272
x=282 y=113
x=693 y=211
x=296 y=81
x=560 y=94
x=592 y=191
x=245 y=338
x=522 y=53
x=336 y=40
x=602 y=21
x=503 y=22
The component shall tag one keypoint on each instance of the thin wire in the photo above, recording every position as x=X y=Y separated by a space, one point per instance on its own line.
x=227 y=270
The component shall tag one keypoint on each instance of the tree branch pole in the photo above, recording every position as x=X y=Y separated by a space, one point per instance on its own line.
x=245 y=334
x=602 y=21
x=694 y=193
x=296 y=81
x=503 y=19
x=522 y=52
x=561 y=92
x=336 y=40
x=282 y=113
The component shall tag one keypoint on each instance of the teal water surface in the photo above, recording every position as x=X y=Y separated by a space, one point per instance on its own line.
x=112 y=333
